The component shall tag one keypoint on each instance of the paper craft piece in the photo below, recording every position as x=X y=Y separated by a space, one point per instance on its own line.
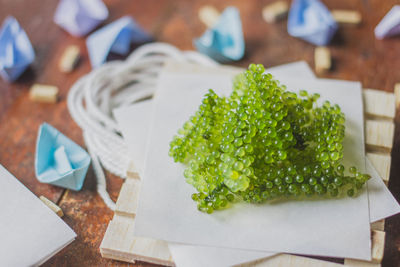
x=224 y=41
x=60 y=161
x=79 y=17
x=116 y=37
x=43 y=93
x=229 y=228
x=16 y=52
x=30 y=232
x=311 y=21
x=390 y=24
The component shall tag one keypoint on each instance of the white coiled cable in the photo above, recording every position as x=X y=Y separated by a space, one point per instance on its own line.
x=118 y=83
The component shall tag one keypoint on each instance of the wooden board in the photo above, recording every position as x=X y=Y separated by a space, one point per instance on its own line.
x=119 y=243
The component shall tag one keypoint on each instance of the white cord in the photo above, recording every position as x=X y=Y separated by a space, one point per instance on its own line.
x=119 y=83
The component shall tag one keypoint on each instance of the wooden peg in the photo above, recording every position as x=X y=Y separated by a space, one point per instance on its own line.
x=69 y=59
x=397 y=94
x=347 y=16
x=209 y=15
x=322 y=57
x=43 y=93
x=378 y=245
x=275 y=11
x=52 y=206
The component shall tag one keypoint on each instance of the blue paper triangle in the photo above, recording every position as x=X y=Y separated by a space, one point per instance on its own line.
x=115 y=37
x=58 y=160
x=224 y=42
x=16 y=51
x=311 y=21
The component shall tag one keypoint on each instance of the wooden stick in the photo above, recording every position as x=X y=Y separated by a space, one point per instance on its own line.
x=347 y=16
x=209 y=15
x=275 y=11
x=397 y=94
x=379 y=104
x=57 y=210
x=69 y=59
x=43 y=93
x=322 y=57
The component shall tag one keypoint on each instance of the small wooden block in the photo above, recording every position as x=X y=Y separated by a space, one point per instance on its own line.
x=382 y=164
x=209 y=15
x=128 y=198
x=379 y=135
x=359 y=263
x=43 y=93
x=119 y=243
x=397 y=94
x=379 y=104
x=322 y=57
x=347 y=16
x=132 y=172
x=275 y=11
x=57 y=210
x=69 y=59
x=378 y=225
x=287 y=260
x=378 y=245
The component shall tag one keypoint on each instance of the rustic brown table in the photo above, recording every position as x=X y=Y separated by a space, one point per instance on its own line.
x=357 y=56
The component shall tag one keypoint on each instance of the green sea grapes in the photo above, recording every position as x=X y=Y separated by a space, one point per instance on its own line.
x=263 y=143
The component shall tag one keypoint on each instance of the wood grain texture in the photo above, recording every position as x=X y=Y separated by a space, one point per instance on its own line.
x=357 y=56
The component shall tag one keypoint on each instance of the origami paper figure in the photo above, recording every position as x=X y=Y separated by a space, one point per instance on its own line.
x=116 y=37
x=79 y=17
x=224 y=41
x=311 y=21
x=16 y=52
x=390 y=24
x=60 y=161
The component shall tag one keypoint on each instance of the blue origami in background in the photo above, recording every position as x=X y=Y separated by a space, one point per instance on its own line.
x=16 y=51
x=311 y=21
x=58 y=160
x=79 y=17
x=223 y=42
x=389 y=25
x=116 y=37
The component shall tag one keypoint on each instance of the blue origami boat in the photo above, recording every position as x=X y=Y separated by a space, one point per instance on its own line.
x=224 y=42
x=16 y=51
x=311 y=21
x=58 y=160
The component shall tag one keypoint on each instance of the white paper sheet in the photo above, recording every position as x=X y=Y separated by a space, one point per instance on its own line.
x=245 y=226
x=134 y=121
x=30 y=233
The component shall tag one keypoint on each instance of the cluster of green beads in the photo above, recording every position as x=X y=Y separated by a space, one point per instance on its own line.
x=263 y=143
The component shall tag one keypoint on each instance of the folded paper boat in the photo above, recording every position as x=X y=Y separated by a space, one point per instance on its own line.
x=311 y=21
x=79 y=17
x=16 y=51
x=58 y=160
x=224 y=42
x=390 y=24
x=115 y=37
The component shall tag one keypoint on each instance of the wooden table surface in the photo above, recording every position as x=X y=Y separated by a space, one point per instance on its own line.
x=357 y=56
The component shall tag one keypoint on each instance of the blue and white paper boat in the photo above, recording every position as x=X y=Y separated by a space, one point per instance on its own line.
x=116 y=37
x=223 y=42
x=59 y=161
x=311 y=21
x=389 y=25
x=16 y=51
x=79 y=17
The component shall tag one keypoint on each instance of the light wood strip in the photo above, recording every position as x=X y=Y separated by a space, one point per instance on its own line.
x=397 y=94
x=208 y=15
x=128 y=198
x=379 y=135
x=275 y=11
x=322 y=59
x=347 y=16
x=287 y=260
x=378 y=225
x=57 y=210
x=379 y=104
x=382 y=163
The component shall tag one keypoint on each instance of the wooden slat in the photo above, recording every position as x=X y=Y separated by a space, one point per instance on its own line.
x=347 y=16
x=379 y=135
x=69 y=59
x=397 y=94
x=57 y=210
x=379 y=104
x=287 y=260
x=378 y=225
x=322 y=59
x=120 y=243
x=208 y=15
x=358 y=263
x=128 y=201
x=382 y=164
x=275 y=11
